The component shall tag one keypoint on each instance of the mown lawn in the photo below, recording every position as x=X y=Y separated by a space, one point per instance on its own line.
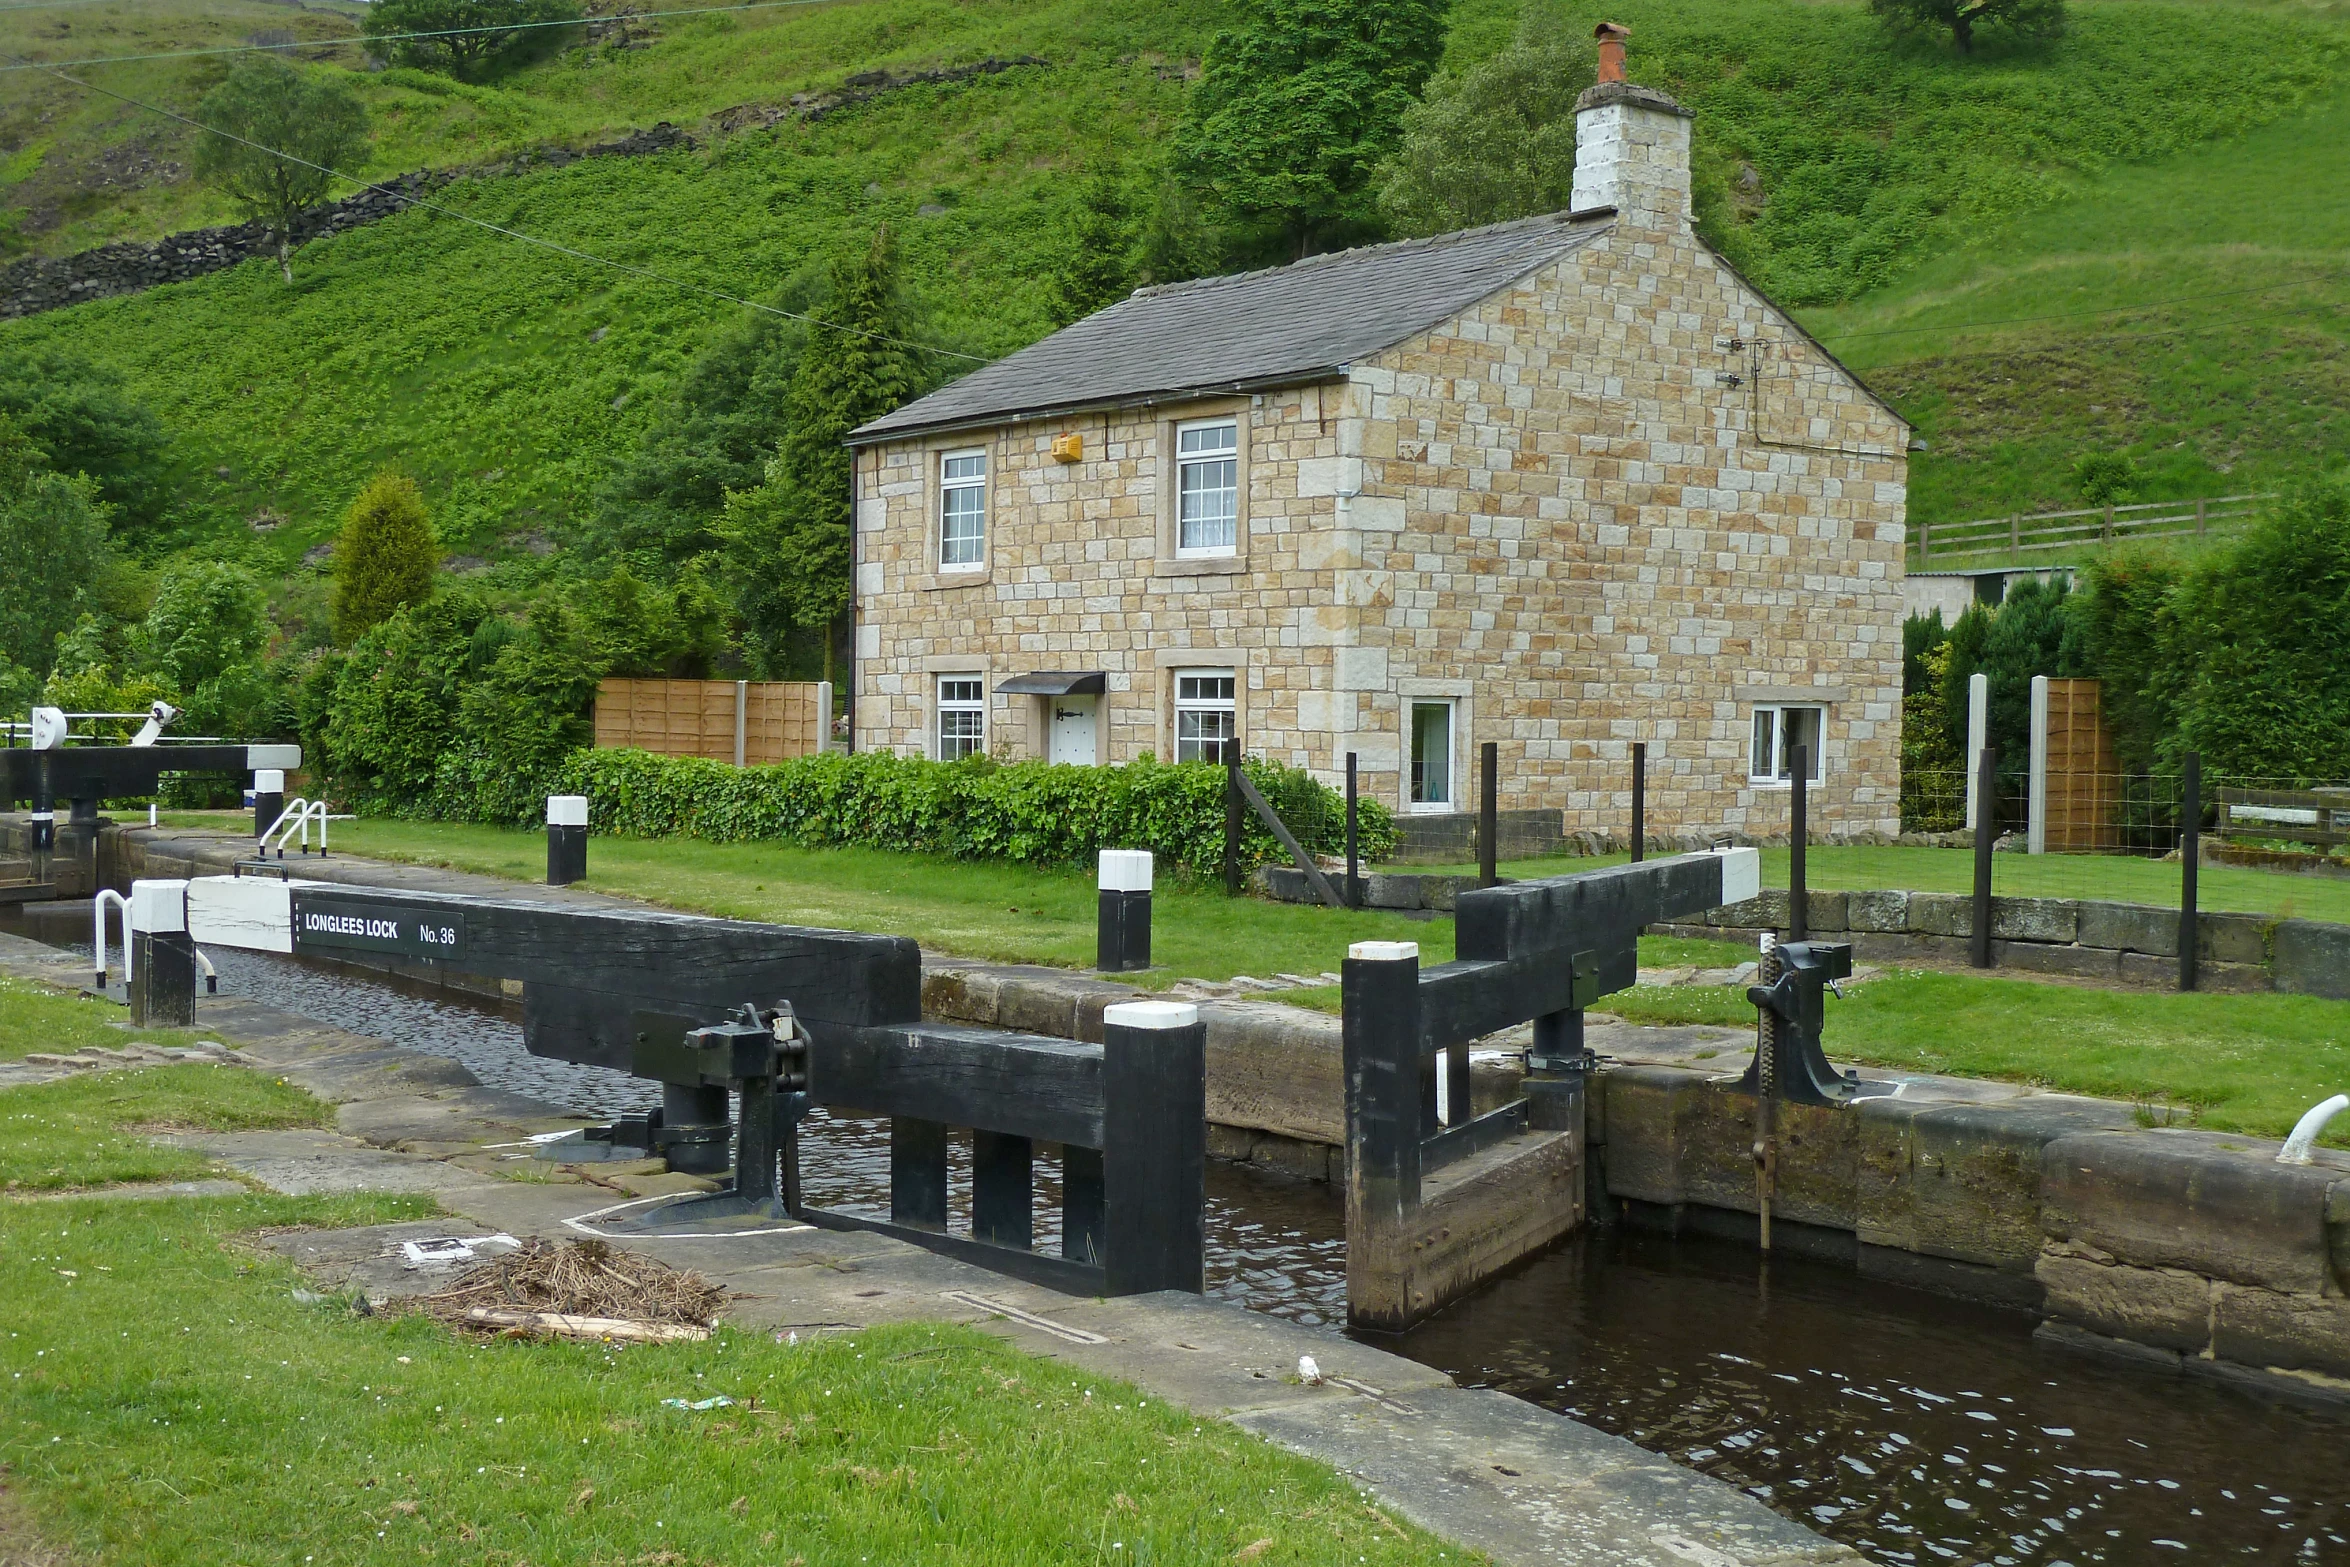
x=2247 y=1064
x=172 y=1400
x=2111 y=878
x=35 y=1018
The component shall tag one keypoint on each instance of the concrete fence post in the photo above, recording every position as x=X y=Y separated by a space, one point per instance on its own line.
x=2036 y=791
x=1978 y=735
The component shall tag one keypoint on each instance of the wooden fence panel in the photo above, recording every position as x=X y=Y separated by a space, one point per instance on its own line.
x=2083 y=798
x=724 y=720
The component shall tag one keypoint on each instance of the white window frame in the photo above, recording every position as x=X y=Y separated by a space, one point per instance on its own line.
x=1767 y=747
x=953 y=487
x=1185 y=462
x=962 y=704
x=1201 y=706
x=1452 y=759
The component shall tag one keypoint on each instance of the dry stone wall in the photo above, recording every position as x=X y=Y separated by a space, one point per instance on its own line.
x=37 y=284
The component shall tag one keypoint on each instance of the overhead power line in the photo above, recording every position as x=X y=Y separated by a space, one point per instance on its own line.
x=376 y=38
x=686 y=284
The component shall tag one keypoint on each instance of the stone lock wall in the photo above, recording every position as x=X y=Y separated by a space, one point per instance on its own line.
x=1623 y=500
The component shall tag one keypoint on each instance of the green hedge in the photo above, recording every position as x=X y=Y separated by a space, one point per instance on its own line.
x=976 y=809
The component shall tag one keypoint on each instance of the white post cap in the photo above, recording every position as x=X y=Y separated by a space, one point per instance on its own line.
x=269 y=780
x=567 y=810
x=1150 y=1014
x=158 y=906
x=1385 y=951
x=1125 y=870
x=1741 y=874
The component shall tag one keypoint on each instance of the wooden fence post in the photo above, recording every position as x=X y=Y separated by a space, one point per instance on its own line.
x=2015 y=537
x=2107 y=535
x=2199 y=516
x=1925 y=542
x=1488 y=814
x=1639 y=801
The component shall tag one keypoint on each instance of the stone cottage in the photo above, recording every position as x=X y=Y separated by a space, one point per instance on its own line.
x=1564 y=484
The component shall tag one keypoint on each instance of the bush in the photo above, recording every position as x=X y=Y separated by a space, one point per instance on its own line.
x=53 y=548
x=975 y=809
x=385 y=556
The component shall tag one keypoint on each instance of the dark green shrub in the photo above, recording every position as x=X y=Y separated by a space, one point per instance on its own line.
x=974 y=809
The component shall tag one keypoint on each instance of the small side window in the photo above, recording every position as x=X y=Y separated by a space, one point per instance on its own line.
x=1781 y=731
x=962 y=511
x=1206 y=715
x=962 y=716
x=1207 y=488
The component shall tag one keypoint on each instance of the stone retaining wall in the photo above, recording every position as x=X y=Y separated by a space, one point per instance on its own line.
x=38 y=284
x=2126 y=943
x=2195 y=1246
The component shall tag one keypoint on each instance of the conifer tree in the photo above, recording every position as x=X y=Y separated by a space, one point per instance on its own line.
x=787 y=542
x=385 y=556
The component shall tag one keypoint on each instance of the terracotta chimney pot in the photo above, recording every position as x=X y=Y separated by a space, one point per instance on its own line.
x=1611 y=36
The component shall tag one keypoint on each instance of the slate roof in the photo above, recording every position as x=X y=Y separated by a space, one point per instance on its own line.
x=1277 y=327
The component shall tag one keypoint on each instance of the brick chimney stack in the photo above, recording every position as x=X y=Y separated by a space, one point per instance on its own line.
x=1631 y=145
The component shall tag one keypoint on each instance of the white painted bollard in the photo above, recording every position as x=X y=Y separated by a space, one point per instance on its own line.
x=567 y=825
x=161 y=972
x=1122 y=941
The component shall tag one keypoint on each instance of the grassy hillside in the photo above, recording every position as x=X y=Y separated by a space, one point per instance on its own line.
x=2191 y=313
x=1832 y=159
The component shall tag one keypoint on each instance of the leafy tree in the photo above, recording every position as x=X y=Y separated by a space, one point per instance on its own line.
x=1295 y=109
x=84 y=420
x=716 y=435
x=385 y=556
x=481 y=36
x=2259 y=635
x=53 y=549
x=276 y=131
x=786 y=543
x=380 y=729
x=1098 y=264
x=1494 y=142
x=2115 y=630
x=209 y=618
x=2023 y=18
x=630 y=627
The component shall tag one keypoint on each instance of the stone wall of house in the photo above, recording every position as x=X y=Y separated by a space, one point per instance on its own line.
x=1594 y=521
x=1076 y=579
x=1623 y=501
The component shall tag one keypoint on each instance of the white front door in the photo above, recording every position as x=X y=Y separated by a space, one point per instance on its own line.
x=1072 y=729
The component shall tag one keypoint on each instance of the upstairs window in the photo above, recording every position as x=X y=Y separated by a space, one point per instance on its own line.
x=1206 y=718
x=962 y=511
x=962 y=716
x=1207 y=488
x=1778 y=733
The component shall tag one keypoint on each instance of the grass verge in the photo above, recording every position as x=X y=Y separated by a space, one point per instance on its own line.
x=86 y=1130
x=2248 y=1064
x=172 y=1399
x=36 y=1018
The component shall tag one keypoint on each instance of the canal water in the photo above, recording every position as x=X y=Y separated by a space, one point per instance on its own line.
x=1912 y=1428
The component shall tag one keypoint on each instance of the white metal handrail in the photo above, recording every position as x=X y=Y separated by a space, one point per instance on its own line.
x=296 y=818
x=98 y=905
